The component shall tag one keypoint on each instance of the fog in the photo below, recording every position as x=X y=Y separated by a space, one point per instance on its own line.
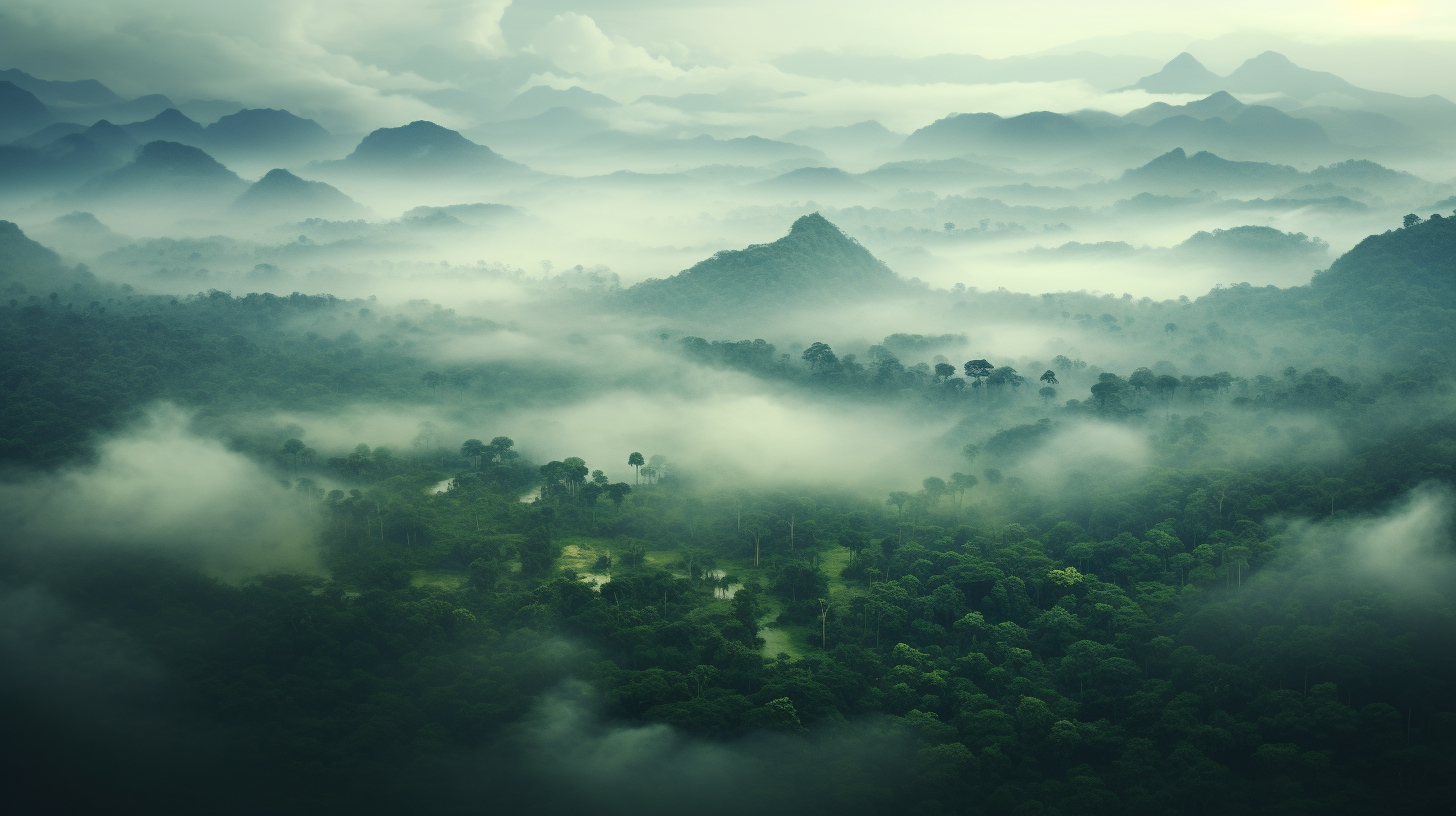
x=159 y=489
x=946 y=408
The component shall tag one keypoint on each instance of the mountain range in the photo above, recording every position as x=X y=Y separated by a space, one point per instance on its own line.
x=1300 y=90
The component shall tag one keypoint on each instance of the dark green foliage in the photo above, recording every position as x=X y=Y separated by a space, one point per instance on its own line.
x=1151 y=640
x=1254 y=241
x=1397 y=286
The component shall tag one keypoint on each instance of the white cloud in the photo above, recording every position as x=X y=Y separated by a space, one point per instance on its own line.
x=160 y=488
x=575 y=44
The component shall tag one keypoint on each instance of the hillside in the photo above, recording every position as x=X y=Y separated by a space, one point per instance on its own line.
x=280 y=194
x=814 y=260
x=170 y=168
x=1398 y=285
x=1178 y=171
x=264 y=130
x=27 y=268
x=422 y=147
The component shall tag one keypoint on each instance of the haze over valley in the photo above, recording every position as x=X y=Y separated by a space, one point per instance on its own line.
x=502 y=407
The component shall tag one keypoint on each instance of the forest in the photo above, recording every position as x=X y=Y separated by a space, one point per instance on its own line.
x=774 y=408
x=1212 y=628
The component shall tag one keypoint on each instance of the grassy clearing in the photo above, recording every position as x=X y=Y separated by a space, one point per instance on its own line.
x=581 y=552
x=448 y=580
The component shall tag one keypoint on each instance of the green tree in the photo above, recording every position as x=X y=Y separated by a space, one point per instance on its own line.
x=635 y=461
x=293 y=447
x=474 y=449
x=617 y=492
x=537 y=553
x=897 y=500
x=978 y=370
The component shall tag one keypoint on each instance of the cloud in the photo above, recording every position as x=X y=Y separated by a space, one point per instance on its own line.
x=159 y=488
x=566 y=757
x=1411 y=542
x=347 y=63
x=575 y=44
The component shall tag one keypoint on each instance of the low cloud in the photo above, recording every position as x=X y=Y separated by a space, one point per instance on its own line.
x=1410 y=544
x=566 y=757
x=160 y=488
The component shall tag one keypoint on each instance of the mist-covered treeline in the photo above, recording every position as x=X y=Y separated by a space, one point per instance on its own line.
x=1124 y=590
x=489 y=407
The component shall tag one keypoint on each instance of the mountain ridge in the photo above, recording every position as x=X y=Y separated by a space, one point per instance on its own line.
x=815 y=259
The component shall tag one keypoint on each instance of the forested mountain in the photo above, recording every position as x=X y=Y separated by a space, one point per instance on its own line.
x=180 y=170
x=1398 y=286
x=814 y=262
x=585 y=455
x=422 y=148
x=280 y=194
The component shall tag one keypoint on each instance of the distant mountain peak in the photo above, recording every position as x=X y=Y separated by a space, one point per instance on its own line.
x=424 y=147
x=816 y=260
x=181 y=169
x=180 y=157
x=1269 y=58
x=283 y=194
x=1183 y=74
x=172 y=116
x=266 y=129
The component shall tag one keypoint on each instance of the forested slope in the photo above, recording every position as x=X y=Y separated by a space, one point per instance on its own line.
x=1254 y=617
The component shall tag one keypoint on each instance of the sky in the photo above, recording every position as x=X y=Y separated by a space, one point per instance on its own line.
x=364 y=63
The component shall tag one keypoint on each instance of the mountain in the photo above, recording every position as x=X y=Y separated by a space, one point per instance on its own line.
x=49 y=134
x=54 y=92
x=1176 y=171
x=112 y=137
x=815 y=181
x=541 y=98
x=168 y=126
x=265 y=130
x=73 y=158
x=1217 y=122
x=30 y=267
x=171 y=173
x=475 y=215
x=1397 y=286
x=1253 y=242
x=1367 y=175
x=971 y=132
x=79 y=232
x=1183 y=74
x=131 y=110
x=62 y=162
x=1247 y=128
x=423 y=149
x=1219 y=104
x=286 y=197
x=814 y=261
x=1273 y=73
x=20 y=110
